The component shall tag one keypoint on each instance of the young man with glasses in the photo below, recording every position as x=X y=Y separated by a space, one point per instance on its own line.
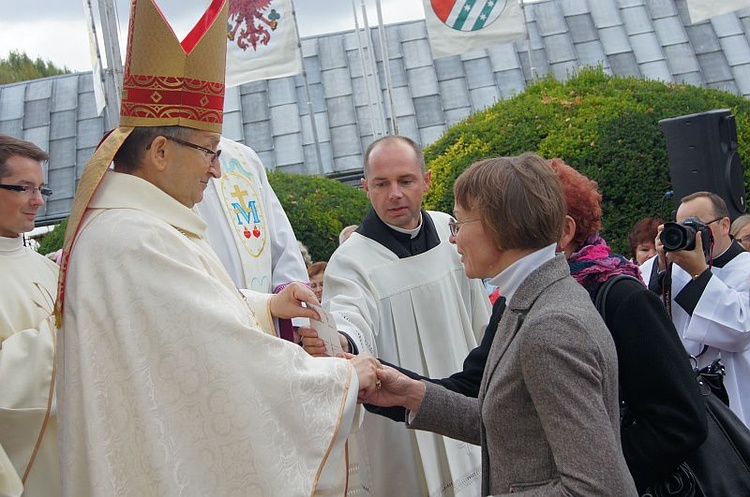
x=29 y=283
x=710 y=295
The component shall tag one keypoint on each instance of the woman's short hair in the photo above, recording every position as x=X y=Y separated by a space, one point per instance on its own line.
x=644 y=231
x=316 y=268
x=306 y=257
x=738 y=224
x=346 y=232
x=519 y=199
x=582 y=198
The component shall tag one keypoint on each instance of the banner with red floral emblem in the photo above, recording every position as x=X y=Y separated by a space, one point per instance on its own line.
x=262 y=41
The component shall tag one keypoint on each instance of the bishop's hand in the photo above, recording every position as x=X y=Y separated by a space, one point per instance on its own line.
x=287 y=304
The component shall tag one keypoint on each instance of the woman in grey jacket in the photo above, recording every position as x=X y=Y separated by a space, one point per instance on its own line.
x=547 y=414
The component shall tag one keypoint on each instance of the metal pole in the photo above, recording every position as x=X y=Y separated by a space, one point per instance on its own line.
x=110 y=36
x=387 y=68
x=364 y=70
x=532 y=71
x=100 y=93
x=374 y=65
x=310 y=110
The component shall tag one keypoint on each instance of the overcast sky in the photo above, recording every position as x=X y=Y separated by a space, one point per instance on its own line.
x=55 y=30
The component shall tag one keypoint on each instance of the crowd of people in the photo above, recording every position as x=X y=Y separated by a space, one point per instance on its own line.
x=174 y=349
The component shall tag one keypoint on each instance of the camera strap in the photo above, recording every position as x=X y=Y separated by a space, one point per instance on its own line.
x=667 y=289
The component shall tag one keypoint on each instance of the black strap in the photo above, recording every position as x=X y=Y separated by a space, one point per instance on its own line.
x=601 y=295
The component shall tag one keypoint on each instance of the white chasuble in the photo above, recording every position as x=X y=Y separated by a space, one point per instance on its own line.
x=170 y=384
x=27 y=333
x=247 y=227
x=421 y=313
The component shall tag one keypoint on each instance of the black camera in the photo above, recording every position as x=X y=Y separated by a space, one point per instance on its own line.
x=681 y=236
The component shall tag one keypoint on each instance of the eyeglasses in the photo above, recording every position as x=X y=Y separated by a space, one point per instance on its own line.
x=744 y=241
x=456 y=225
x=210 y=154
x=29 y=190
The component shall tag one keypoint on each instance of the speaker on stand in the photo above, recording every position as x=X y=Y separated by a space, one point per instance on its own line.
x=702 y=151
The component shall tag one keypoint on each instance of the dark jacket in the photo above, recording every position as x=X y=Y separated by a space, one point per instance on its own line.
x=656 y=381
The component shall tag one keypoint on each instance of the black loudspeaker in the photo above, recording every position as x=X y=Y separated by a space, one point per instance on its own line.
x=703 y=156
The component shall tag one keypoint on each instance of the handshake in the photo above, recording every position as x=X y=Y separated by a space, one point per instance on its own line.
x=379 y=384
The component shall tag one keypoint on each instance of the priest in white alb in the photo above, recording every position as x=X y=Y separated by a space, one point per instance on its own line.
x=397 y=290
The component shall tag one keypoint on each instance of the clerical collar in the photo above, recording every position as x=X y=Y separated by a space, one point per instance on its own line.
x=512 y=276
x=401 y=244
x=730 y=253
x=411 y=232
x=10 y=245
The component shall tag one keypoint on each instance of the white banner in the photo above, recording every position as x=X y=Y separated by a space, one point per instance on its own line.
x=262 y=42
x=457 y=26
x=96 y=62
x=700 y=10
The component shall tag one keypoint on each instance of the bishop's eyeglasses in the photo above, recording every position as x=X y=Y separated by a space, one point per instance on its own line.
x=210 y=154
x=29 y=190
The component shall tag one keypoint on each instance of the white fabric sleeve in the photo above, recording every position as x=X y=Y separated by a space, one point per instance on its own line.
x=721 y=318
x=10 y=482
x=334 y=471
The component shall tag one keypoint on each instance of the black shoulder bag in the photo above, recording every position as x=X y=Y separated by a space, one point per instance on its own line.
x=720 y=467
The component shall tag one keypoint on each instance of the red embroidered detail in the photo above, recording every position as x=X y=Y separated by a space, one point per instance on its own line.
x=170 y=97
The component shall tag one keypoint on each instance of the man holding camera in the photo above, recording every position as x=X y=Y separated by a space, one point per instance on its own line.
x=704 y=277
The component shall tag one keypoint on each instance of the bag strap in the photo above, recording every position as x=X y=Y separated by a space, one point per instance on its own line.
x=601 y=295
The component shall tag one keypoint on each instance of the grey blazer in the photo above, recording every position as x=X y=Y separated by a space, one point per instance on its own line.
x=547 y=415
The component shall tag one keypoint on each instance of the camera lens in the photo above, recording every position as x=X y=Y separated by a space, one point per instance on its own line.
x=674 y=237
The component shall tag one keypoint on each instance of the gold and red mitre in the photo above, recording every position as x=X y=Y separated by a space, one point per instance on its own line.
x=166 y=83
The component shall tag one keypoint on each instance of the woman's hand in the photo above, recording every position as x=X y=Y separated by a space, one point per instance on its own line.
x=395 y=389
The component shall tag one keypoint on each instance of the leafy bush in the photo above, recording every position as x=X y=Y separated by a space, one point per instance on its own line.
x=53 y=241
x=605 y=127
x=318 y=208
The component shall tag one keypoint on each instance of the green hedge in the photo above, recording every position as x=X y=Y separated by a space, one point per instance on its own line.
x=318 y=208
x=606 y=127
x=53 y=241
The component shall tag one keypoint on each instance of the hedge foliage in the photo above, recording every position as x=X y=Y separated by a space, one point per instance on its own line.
x=53 y=241
x=606 y=127
x=318 y=208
